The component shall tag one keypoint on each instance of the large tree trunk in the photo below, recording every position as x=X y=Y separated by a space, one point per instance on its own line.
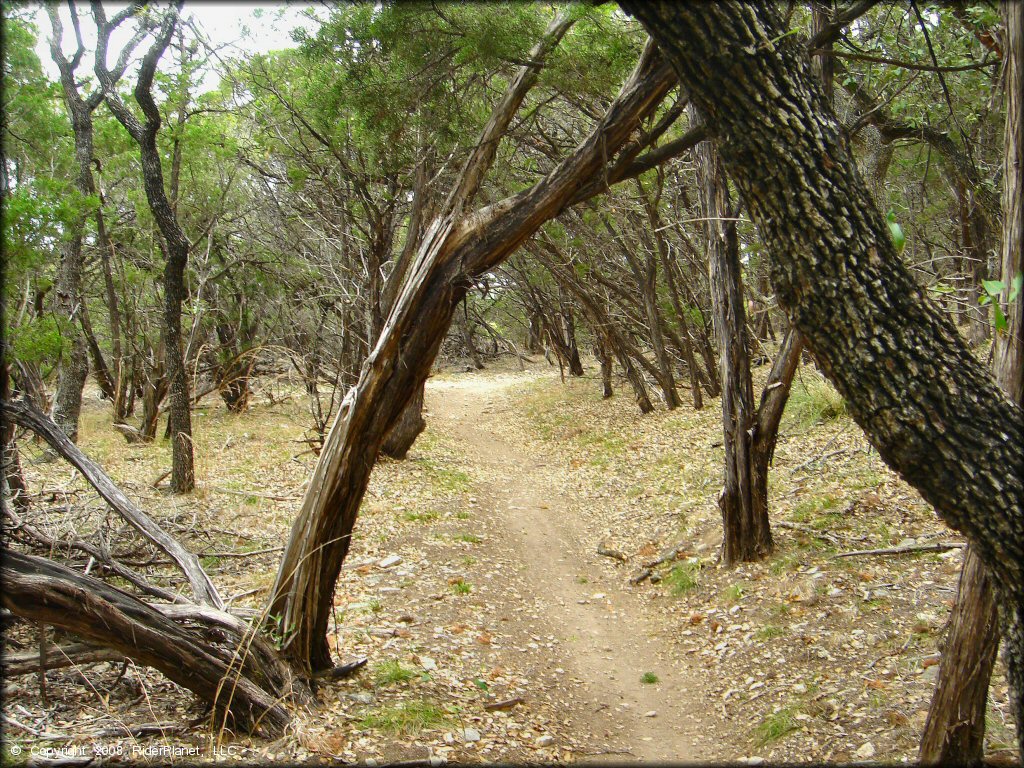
x=455 y=249
x=908 y=378
x=747 y=533
x=954 y=733
x=407 y=428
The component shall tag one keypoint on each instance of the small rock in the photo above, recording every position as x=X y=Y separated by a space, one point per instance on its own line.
x=428 y=663
x=865 y=751
x=389 y=562
x=471 y=734
x=598 y=596
x=799 y=688
x=652 y=713
x=370 y=761
x=545 y=741
x=436 y=760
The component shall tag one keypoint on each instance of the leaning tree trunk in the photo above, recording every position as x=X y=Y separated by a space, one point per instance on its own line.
x=769 y=416
x=954 y=733
x=456 y=248
x=746 y=531
x=909 y=379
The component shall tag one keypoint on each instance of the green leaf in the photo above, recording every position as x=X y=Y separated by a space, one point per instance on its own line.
x=1015 y=286
x=993 y=287
x=898 y=238
x=1000 y=318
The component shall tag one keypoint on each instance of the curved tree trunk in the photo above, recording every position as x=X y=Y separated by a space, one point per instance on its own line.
x=909 y=379
x=456 y=248
x=176 y=243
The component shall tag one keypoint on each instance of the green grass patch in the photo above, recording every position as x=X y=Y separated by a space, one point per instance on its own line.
x=469 y=538
x=733 y=592
x=461 y=587
x=812 y=507
x=648 y=678
x=406 y=719
x=775 y=726
x=813 y=400
x=683 y=577
x=421 y=517
x=784 y=564
x=769 y=631
x=391 y=672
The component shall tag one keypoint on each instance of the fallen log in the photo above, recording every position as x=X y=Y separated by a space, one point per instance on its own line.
x=43 y=591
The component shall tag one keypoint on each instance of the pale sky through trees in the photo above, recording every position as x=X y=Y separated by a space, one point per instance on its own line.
x=229 y=27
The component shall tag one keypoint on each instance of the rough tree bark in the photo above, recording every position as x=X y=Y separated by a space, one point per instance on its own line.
x=456 y=247
x=746 y=531
x=908 y=378
x=176 y=244
x=954 y=733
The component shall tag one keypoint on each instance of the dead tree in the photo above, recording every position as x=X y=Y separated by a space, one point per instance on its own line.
x=198 y=645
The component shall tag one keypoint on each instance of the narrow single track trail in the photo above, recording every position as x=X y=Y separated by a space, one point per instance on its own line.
x=606 y=639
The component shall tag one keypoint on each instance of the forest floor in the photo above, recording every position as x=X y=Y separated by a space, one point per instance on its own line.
x=495 y=628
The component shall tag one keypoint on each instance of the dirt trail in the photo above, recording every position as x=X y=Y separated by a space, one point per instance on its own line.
x=607 y=639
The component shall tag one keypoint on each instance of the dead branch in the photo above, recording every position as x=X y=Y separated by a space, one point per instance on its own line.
x=40 y=590
x=940 y=546
x=27 y=416
x=57 y=657
x=496 y=706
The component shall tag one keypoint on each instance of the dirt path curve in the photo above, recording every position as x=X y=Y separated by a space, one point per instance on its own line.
x=607 y=638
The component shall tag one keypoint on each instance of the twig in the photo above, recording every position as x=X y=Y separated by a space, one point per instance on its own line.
x=495 y=706
x=224 y=555
x=811 y=531
x=644 y=574
x=612 y=553
x=156 y=483
x=253 y=493
x=941 y=546
x=345 y=670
